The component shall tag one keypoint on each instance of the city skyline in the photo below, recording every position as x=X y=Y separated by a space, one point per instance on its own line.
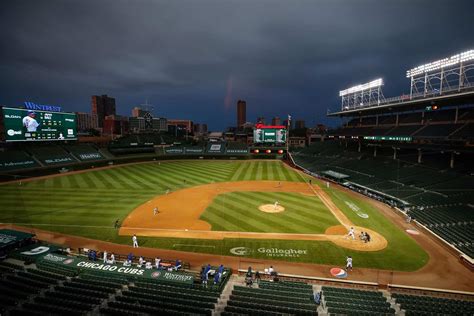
x=282 y=59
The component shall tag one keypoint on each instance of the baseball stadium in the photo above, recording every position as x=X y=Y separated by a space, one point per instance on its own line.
x=105 y=214
x=373 y=217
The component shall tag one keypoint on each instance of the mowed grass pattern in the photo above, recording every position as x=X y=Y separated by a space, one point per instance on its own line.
x=99 y=197
x=238 y=211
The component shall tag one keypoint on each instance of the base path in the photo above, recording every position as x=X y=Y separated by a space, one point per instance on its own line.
x=179 y=212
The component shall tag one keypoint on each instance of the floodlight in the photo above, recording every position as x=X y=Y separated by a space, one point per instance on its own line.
x=442 y=63
x=361 y=87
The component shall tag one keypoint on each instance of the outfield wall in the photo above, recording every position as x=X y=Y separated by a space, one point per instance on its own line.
x=38 y=171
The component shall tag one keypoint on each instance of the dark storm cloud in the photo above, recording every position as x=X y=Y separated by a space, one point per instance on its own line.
x=191 y=58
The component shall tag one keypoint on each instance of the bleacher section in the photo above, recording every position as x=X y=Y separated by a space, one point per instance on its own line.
x=426 y=305
x=156 y=298
x=343 y=301
x=16 y=159
x=294 y=298
x=51 y=154
x=421 y=125
x=84 y=152
x=55 y=286
x=439 y=199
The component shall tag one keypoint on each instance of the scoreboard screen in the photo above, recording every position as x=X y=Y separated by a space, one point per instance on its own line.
x=27 y=125
x=269 y=135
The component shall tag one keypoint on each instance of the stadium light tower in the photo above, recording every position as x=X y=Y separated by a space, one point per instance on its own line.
x=362 y=95
x=441 y=76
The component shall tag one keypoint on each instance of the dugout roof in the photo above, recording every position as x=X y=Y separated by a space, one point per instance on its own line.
x=12 y=238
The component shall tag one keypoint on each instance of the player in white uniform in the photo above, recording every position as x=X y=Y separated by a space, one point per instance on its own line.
x=155 y=210
x=30 y=122
x=349 y=263
x=351 y=233
x=105 y=256
x=135 y=241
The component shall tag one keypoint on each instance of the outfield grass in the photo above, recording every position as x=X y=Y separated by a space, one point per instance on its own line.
x=87 y=204
x=98 y=198
x=238 y=211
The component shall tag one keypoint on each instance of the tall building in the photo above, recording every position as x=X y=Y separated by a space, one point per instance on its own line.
x=276 y=121
x=115 y=124
x=86 y=121
x=261 y=120
x=102 y=106
x=241 y=113
x=187 y=124
x=138 y=112
x=299 y=124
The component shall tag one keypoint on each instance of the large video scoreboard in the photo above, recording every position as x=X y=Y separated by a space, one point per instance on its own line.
x=269 y=134
x=28 y=125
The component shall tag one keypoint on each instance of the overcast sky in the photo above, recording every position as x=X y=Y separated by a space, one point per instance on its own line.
x=195 y=58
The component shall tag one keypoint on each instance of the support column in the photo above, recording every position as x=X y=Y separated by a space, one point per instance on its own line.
x=375 y=151
x=394 y=153
x=360 y=146
x=456 y=115
x=451 y=162
x=420 y=154
x=396 y=121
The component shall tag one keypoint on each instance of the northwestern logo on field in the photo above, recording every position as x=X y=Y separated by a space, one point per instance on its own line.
x=41 y=107
x=68 y=261
x=241 y=251
x=155 y=274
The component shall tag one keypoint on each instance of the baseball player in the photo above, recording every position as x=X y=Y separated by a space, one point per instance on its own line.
x=351 y=233
x=105 y=256
x=157 y=263
x=349 y=263
x=30 y=122
x=155 y=210
x=135 y=241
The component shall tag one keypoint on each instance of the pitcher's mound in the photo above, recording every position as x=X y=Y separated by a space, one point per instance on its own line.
x=270 y=208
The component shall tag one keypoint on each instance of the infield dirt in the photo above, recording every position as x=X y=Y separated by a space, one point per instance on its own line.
x=179 y=212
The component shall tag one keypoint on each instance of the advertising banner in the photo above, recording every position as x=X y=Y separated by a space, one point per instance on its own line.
x=85 y=264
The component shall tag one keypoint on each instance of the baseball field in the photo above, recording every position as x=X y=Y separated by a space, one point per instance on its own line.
x=256 y=209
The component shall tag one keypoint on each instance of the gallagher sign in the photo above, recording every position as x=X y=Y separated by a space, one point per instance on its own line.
x=268 y=252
